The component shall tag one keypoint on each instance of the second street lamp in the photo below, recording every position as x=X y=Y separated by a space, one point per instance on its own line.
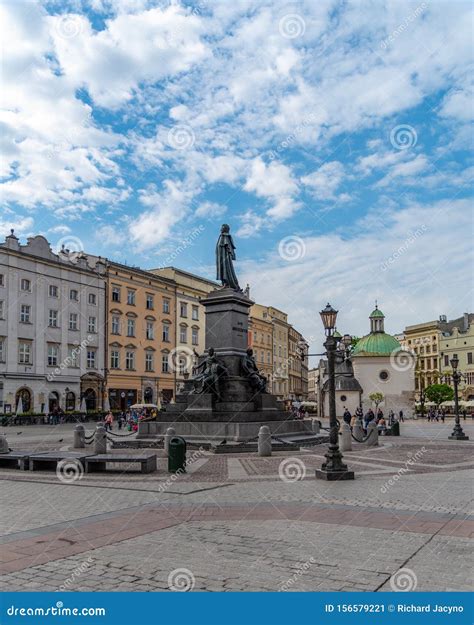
x=334 y=468
x=458 y=433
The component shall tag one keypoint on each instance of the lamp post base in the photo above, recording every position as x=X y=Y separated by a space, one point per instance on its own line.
x=332 y=476
x=458 y=437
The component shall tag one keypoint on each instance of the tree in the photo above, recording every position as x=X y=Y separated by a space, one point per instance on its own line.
x=438 y=393
x=377 y=399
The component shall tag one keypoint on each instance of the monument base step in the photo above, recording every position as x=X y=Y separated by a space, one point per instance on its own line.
x=217 y=431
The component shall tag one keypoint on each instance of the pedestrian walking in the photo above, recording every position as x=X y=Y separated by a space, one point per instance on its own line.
x=109 y=420
x=400 y=416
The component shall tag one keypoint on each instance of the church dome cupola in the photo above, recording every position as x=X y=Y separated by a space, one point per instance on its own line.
x=376 y=320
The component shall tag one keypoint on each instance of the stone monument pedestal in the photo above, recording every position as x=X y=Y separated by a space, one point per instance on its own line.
x=237 y=410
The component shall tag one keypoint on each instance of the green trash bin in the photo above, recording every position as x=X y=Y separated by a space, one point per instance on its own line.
x=177 y=455
x=396 y=428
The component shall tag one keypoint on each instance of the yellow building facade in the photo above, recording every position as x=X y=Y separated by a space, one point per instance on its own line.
x=141 y=322
x=423 y=340
x=261 y=339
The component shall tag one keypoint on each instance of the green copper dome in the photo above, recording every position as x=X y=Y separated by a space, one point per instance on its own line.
x=377 y=313
x=376 y=344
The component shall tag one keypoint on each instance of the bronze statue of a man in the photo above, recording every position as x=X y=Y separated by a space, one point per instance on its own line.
x=225 y=254
x=258 y=382
x=213 y=375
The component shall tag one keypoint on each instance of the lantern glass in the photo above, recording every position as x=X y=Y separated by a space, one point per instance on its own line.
x=454 y=362
x=328 y=317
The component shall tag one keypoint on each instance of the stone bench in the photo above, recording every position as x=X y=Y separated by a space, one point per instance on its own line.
x=50 y=459
x=16 y=460
x=99 y=462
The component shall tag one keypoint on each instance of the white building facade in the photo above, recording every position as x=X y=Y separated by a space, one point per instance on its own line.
x=52 y=328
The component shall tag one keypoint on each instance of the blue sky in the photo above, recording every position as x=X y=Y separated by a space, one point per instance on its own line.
x=334 y=138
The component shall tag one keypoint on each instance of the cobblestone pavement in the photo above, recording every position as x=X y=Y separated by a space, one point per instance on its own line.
x=240 y=522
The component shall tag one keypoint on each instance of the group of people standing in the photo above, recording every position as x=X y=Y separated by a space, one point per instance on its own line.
x=127 y=420
x=370 y=416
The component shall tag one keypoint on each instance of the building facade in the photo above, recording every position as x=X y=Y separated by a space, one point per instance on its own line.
x=297 y=366
x=189 y=319
x=261 y=339
x=52 y=320
x=422 y=340
x=141 y=333
x=457 y=339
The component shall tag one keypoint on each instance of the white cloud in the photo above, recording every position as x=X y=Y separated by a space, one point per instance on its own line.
x=325 y=181
x=273 y=182
x=21 y=225
x=210 y=210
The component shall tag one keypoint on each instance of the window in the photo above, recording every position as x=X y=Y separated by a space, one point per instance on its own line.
x=53 y=319
x=53 y=290
x=91 y=358
x=195 y=313
x=25 y=313
x=74 y=295
x=446 y=361
x=149 y=301
x=116 y=294
x=73 y=356
x=73 y=321
x=469 y=358
x=25 y=285
x=195 y=336
x=183 y=309
x=2 y=279
x=182 y=366
x=130 y=327
x=183 y=334
x=164 y=363
x=149 y=361
x=166 y=333
x=149 y=330
x=92 y=325
x=131 y=297
x=383 y=375
x=115 y=325
x=92 y=299
x=130 y=360
x=2 y=350
x=24 y=353
x=2 y=309
x=114 y=359
x=53 y=352
x=166 y=305
x=254 y=336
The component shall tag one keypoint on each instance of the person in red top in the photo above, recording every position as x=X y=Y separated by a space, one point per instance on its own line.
x=109 y=420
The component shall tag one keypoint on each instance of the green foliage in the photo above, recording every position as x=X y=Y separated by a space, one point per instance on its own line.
x=376 y=398
x=438 y=393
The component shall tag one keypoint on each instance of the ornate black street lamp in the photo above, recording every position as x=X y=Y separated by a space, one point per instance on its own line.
x=334 y=468
x=458 y=434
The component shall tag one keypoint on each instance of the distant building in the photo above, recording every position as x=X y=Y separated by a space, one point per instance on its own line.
x=261 y=339
x=52 y=320
x=382 y=365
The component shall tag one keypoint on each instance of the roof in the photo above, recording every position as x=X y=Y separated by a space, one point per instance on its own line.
x=376 y=344
x=377 y=313
x=344 y=383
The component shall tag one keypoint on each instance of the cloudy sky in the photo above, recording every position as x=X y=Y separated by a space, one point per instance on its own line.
x=332 y=136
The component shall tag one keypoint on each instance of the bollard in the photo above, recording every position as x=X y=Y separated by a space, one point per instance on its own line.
x=264 y=441
x=372 y=435
x=170 y=432
x=79 y=437
x=3 y=445
x=316 y=425
x=346 y=440
x=100 y=440
x=177 y=455
x=358 y=431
